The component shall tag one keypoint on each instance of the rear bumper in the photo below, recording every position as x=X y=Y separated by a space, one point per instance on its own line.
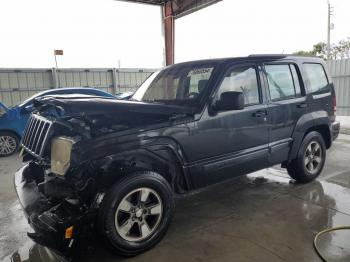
x=49 y=220
x=335 y=130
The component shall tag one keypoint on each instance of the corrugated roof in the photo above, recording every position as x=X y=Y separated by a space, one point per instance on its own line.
x=151 y=2
x=180 y=7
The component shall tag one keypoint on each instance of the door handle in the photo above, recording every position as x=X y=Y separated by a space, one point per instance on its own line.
x=260 y=113
x=303 y=105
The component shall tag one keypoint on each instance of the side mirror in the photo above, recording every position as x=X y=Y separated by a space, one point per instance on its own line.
x=229 y=101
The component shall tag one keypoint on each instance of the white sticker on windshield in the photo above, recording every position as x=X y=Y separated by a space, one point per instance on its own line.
x=200 y=71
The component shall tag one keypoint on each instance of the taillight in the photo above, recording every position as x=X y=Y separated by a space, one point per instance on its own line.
x=334 y=108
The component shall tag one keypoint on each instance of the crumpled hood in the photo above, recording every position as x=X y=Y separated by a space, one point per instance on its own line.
x=74 y=105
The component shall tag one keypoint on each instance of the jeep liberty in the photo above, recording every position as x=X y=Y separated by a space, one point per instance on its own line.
x=113 y=166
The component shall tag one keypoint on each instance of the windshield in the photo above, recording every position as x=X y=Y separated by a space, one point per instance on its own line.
x=182 y=84
x=2 y=106
x=25 y=102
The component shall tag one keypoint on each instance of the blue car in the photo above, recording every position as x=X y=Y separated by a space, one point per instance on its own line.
x=13 y=120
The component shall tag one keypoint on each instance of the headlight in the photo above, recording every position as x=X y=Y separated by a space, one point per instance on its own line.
x=61 y=148
x=2 y=111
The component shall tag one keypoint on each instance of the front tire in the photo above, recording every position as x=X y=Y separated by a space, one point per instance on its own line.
x=310 y=159
x=9 y=143
x=135 y=213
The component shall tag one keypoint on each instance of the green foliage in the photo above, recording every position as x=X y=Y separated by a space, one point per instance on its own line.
x=304 y=53
x=319 y=50
x=338 y=51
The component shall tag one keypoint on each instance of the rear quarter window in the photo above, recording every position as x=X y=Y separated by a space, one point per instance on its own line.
x=317 y=78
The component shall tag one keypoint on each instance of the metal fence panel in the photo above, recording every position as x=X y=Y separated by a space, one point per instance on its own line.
x=18 y=84
x=340 y=72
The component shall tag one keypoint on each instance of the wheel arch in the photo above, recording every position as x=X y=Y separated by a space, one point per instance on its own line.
x=315 y=121
x=163 y=159
x=13 y=132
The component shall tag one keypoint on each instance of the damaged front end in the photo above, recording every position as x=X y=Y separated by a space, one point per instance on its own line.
x=58 y=215
x=58 y=193
x=69 y=148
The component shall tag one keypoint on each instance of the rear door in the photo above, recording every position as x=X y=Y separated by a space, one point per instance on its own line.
x=287 y=103
x=319 y=88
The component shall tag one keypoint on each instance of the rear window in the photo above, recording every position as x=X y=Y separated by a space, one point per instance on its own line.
x=316 y=75
x=283 y=81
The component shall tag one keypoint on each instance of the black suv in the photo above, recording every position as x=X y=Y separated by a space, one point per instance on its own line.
x=115 y=166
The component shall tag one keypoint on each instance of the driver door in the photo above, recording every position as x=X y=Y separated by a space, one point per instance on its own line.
x=231 y=143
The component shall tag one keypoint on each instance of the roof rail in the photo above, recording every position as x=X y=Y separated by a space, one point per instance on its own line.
x=278 y=55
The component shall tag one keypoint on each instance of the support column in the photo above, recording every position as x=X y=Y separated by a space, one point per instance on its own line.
x=169 y=33
x=55 y=79
x=115 y=81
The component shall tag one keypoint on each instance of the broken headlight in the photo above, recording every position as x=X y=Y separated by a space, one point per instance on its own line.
x=61 y=149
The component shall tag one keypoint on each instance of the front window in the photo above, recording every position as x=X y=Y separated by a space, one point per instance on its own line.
x=177 y=85
x=244 y=80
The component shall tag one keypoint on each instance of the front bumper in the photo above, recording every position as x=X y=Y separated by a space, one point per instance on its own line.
x=50 y=219
x=335 y=130
x=36 y=253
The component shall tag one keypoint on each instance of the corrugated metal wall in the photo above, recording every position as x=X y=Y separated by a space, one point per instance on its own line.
x=340 y=72
x=18 y=84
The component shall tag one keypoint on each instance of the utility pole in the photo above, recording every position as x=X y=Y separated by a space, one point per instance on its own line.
x=57 y=52
x=329 y=28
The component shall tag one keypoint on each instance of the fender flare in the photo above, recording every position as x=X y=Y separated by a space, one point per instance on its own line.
x=161 y=155
x=305 y=124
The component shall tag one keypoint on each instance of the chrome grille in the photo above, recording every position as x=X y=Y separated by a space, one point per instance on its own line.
x=36 y=134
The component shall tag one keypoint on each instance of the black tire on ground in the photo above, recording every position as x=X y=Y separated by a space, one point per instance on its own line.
x=309 y=162
x=9 y=143
x=128 y=190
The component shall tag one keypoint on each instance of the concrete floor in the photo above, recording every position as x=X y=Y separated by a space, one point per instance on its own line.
x=259 y=217
x=344 y=124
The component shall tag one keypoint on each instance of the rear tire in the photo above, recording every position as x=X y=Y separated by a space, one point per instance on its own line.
x=310 y=160
x=9 y=143
x=135 y=213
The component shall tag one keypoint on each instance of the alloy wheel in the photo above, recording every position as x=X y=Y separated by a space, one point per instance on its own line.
x=8 y=145
x=138 y=214
x=313 y=157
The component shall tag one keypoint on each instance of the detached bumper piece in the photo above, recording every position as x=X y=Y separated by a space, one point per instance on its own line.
x=57 y=226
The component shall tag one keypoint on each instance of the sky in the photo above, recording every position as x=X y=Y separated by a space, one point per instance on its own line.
x=108 y=33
